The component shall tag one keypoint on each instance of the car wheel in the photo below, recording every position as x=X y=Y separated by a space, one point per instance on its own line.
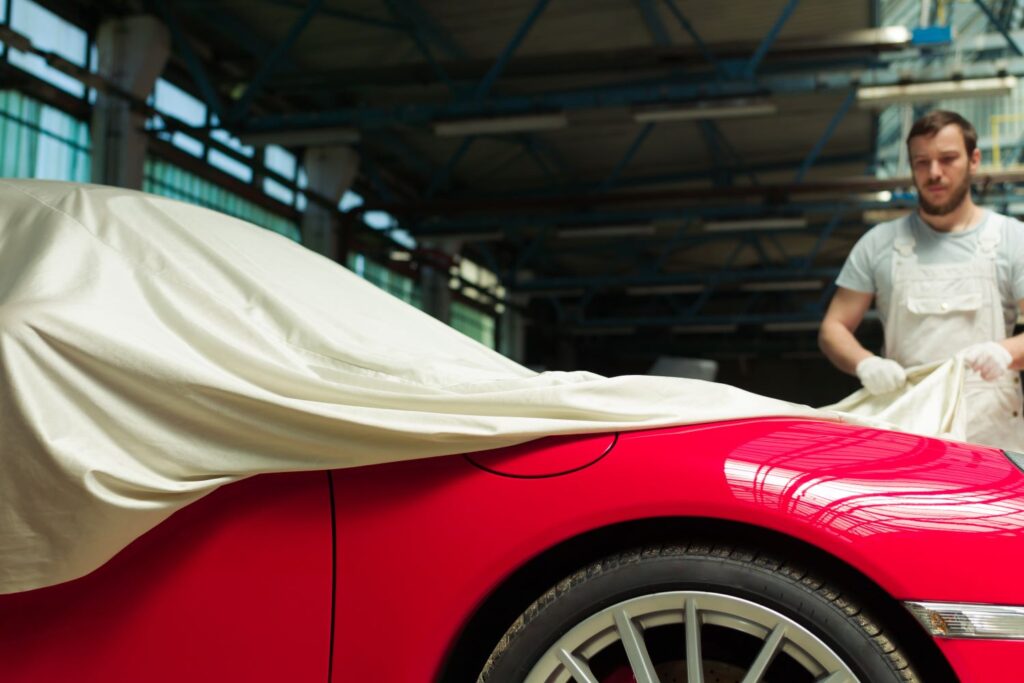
x=701 y=613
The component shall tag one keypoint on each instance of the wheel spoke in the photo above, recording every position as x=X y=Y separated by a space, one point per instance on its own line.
x=694 y=659
x=837 y=677
x=766 y=655
x=636 y=649
x=579 y=669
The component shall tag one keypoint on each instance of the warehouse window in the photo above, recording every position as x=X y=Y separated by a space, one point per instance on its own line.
x=224 y=162
x=39 y=141
x=173 y=101
x=283 y=162
x=49 y=32
x=170 y=181
x=473 y=323
x=401 y=286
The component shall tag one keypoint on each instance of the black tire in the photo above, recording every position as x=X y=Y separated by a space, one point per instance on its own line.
x=812 y=603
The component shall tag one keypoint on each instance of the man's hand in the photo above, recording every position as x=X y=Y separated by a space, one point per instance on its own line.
x=880 y=375
x=989 y=359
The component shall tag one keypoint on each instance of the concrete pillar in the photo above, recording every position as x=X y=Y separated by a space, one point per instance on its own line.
x=132 y=53
x=330 y=171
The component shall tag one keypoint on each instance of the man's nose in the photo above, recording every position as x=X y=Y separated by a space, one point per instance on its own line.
x=935 y=169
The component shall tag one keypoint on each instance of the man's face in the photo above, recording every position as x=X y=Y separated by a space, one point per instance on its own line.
x=942 y=169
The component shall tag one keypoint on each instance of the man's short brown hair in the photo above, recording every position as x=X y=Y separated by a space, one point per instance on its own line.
x=934 y=121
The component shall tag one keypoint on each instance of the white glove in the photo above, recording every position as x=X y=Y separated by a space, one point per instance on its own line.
x=880 y=375
x=989 y=359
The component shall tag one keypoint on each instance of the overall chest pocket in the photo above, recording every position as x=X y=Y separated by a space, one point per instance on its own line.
x=939 y=304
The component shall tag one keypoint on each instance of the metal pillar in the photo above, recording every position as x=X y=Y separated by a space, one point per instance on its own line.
x=330 y=171
x=132 y=53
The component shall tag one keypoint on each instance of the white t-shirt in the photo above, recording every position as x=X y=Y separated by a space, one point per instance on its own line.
x=869 y=265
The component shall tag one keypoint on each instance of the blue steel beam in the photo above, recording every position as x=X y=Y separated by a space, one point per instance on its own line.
x=437 y=34
x=370 y=168
x=346 y=15
x=192 y=61
x=649 y=11
x=511 y=221
x=812 y=156
x=697 y=40
x=823 y=237
x=710 y=136
x=499 y=65
x=273 y=60
x=999 y=26
x=634 y=147
x=425 y=26
x=664 y=92
x=669 y=248
x=229 y=26
x=529 y=145
x=419 y=35
x=766 y=43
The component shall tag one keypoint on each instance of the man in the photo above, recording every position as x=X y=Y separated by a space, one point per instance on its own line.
x=948 y=279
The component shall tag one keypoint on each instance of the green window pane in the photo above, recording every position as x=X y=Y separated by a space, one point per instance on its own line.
x=473 y=323
x=165 y=179
x=38 y=141
x=395 y=284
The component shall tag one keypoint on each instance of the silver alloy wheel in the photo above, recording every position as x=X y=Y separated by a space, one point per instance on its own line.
x=567 y=660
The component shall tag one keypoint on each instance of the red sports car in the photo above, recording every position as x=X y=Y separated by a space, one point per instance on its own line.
x=772 y=550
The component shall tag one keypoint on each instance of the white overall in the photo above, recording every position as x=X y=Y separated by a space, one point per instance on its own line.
x=938 y=310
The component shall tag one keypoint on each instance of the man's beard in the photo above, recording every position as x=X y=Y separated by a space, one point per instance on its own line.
x=956 y=198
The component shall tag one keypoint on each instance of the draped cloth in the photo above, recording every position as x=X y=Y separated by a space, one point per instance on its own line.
x=151 y=351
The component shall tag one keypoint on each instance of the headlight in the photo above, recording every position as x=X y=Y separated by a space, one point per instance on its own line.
x=960 y=620
x=1016 y=458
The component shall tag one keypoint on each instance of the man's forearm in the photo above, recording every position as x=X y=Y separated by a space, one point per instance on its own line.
x=842 y=348
x=1015 y=345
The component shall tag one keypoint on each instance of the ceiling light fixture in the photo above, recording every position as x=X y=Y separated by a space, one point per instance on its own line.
x=782 y=286
x=501 y=124
x=606 y=231
x=744 y=224
x=713 y=109
x=883 y=95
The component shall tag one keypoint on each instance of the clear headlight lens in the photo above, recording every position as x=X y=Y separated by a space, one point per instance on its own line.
x=1016 y=458
x=960 y=620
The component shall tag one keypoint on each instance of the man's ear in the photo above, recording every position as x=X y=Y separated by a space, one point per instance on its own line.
x=975 y=159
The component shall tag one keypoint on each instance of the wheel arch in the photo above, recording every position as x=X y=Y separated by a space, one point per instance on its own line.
x=507 y=601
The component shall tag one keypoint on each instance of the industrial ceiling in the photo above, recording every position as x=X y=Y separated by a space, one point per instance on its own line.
x=645 y=176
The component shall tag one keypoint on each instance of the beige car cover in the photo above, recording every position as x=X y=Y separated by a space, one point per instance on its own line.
x=151 y=351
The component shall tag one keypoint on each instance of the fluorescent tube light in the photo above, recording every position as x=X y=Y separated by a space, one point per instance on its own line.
x=720 y=109
x=501 y=124
x=647 y=290
x=782 y=286
x=606 y=231
x=755 y=224
x=884 y=95
x=309 y=137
